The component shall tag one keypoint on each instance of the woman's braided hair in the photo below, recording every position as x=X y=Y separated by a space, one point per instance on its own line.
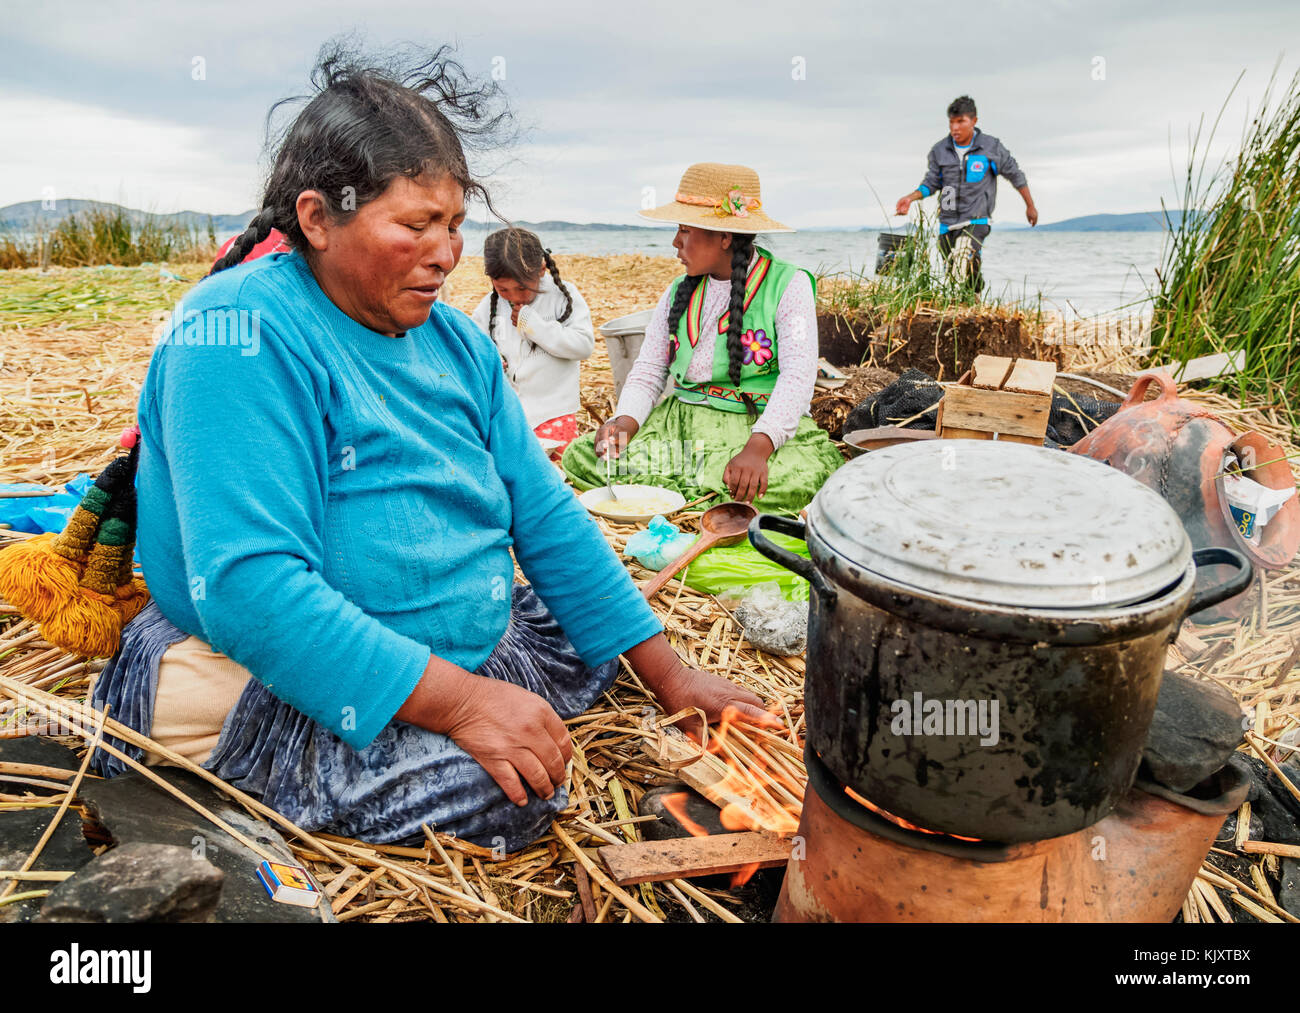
x=742 y=249
x=518 y=254
x=369 y=121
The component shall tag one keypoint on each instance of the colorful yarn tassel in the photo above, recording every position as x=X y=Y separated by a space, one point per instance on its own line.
x=79 y=584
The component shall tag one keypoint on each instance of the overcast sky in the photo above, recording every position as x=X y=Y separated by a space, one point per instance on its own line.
x=1095 y=100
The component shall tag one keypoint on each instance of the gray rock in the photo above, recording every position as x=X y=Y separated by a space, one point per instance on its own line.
x=65 y=851
x=38 y=749
x=133 y=809
x=1197 y=726
x=1270 y=801
x=20 y=829
x=1288 y=894
x=138 y=883
x=667 y=827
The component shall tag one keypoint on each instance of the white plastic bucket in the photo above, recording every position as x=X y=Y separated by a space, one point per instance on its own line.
x=623 y=337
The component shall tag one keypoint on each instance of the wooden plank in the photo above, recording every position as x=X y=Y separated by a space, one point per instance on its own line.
x=1203 y=368
x=990 y=371
x=1032 y=441
x=952 y=433
x=996 y=411
x=1031 y=376
x=684 y=858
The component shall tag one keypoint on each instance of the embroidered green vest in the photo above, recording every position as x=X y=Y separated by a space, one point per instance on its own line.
x=764 y=287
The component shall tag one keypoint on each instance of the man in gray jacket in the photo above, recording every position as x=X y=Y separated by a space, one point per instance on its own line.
x=963 y=170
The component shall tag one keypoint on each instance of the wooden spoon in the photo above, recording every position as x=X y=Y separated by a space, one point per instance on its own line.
x=724 y=524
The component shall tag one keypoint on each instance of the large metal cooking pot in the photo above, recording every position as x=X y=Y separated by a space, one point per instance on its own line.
x=988 y=629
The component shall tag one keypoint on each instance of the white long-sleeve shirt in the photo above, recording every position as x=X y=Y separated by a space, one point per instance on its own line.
x=542 y=355
x=796 y=330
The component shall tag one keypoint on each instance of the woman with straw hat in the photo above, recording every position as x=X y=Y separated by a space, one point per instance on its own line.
x=736 y=336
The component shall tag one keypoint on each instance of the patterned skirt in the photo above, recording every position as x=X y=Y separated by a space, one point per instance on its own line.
x=687 y=447
x=405 y=777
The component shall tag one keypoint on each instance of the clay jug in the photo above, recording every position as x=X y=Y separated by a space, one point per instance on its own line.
x=1180 y=449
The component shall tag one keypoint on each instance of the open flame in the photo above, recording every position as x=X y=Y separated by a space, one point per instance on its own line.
x=759 y=789
x=898 y=820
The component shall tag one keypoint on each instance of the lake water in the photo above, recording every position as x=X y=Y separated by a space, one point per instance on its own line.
x=1080 y=274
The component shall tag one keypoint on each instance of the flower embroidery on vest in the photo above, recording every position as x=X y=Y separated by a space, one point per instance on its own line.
x=758 y=347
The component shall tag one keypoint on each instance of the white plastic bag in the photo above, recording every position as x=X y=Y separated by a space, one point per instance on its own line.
x=771 y=623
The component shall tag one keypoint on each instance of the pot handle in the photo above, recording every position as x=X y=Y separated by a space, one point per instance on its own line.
x=1231 y=587
x=1137 y=394
x=805 y=568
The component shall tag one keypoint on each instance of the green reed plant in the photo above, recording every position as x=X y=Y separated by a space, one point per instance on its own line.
x=106 y=235
x=916 y=279
x=1230 y=271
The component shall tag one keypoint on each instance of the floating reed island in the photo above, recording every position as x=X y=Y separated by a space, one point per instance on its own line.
x=74 y=346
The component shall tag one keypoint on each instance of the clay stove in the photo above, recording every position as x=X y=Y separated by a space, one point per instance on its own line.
x=1136 y=864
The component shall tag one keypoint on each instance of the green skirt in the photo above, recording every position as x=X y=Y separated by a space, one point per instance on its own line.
x=687 y=447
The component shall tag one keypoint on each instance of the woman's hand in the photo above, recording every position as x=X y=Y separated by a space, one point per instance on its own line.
x=514 y=313
x=746 y=473
x=613 y=437
x=678 y=687
x=513 y=733
x=713 y=694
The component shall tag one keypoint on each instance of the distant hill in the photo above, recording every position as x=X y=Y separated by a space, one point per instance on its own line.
x=1139 y=221
x=552 y=226
x=29 y=214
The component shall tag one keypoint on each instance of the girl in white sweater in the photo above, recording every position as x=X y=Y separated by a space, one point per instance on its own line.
x=543 y=338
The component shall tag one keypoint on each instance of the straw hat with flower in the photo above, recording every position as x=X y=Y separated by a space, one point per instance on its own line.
x=719 y=198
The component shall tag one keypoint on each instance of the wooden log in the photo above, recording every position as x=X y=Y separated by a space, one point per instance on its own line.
x=687 y=857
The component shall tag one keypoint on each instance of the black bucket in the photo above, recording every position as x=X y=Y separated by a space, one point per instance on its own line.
x=887 y=246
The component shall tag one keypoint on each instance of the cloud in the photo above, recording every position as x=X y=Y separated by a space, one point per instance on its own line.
x=106 y=105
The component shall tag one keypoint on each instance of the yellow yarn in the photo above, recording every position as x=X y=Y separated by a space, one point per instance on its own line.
x=85 y=625
x=35 y=579
x=131 y=598
x=78 y=535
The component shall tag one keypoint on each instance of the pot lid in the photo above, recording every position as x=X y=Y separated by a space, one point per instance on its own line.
x=1002 y=523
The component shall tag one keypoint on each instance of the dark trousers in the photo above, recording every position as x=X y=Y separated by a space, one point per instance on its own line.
x=977 y=233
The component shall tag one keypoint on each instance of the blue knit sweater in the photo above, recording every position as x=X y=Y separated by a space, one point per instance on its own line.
x=328 y=505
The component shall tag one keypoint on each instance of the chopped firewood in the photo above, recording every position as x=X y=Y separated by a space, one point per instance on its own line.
x=1269 y=848
x=687 y=857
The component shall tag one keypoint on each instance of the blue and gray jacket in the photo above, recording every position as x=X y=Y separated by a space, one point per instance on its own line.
x=968 y=186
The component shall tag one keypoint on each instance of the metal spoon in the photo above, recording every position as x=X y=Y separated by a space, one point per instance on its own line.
x=608 y=461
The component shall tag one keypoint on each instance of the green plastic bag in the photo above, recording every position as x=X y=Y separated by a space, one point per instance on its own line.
x=732 y=569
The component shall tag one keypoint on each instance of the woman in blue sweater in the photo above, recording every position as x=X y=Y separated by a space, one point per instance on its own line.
x=333 y=473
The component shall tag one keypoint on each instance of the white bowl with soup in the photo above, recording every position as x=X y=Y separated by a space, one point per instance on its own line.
x=635 y=503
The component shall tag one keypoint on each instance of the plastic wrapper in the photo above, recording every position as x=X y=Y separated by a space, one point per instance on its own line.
x=771 y=623
x=659 y=544
x=38 y=514
x=730 y=570
x=1252 y=505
